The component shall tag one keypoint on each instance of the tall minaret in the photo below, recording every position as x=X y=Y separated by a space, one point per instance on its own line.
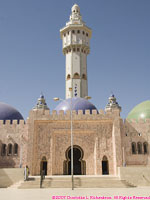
x=76 y=46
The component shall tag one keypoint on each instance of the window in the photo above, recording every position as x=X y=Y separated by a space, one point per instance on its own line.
x=73 y=31
x=83 y=32
x=139 y=146
x=84 y=76
x=76 y=75
x=139 y=134
x=16 y=149
x=87 y=34
x=133 y=148
x=64 y=34
x=145 y=145
x=74 y=49
x=3 y=152
x=9 y=149
x=78 y=49
x=68 y=32
x=68 y=76
x=78 y=31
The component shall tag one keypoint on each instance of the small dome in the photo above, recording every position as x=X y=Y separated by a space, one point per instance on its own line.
x=7 y=112
x=141 y=111
x=77 y=104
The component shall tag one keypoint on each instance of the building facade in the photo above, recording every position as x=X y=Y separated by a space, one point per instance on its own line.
x=102 y=140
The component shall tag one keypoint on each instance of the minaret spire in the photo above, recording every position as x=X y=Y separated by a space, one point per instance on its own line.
x=76 y=46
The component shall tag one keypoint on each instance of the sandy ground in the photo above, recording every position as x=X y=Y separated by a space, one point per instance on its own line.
x=101 y=193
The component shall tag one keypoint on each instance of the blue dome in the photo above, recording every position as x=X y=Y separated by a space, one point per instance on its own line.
x=77 y=104
x=7 y=112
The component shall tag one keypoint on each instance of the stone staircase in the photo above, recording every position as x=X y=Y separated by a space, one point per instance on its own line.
x=10 y=176
x=79 y=182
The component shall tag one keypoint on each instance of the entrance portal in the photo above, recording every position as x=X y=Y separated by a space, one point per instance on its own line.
x=78 y=163
x=43 y=166
x=105 y=169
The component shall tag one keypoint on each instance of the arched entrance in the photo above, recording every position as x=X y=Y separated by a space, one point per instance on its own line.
x=105 y=166
x=79 y=166
x=43 y=166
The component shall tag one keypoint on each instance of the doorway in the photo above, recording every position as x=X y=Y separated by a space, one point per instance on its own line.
x=105 y=166
x=43 y=166
x=78 y=164
x=76 y=161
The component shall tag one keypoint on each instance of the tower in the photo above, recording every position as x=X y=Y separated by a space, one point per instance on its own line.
x=76 y=46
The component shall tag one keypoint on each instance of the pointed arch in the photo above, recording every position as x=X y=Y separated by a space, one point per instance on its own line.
x=9 y=149
x=145 y=147
x=43 y=166
x=15 y=149
x=76 y=75
x=84 y=76
x=3 y=150
x=139 y=147
x=105 y=166
x=133 y=146
x=68 y=76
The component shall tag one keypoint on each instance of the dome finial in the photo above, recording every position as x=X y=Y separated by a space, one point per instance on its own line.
x=41 y=104
x=112 y=104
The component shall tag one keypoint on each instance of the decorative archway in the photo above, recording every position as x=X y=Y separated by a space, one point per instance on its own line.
x=43 y=166
x=105 y=166
x=79 y=165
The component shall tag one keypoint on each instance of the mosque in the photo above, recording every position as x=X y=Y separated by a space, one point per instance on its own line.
x=103 y=142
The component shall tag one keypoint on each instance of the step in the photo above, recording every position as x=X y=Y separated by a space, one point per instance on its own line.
x=79 y=182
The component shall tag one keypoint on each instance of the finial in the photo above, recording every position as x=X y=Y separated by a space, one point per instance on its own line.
x=75 y=17
x=41 y=103
x=112 y=104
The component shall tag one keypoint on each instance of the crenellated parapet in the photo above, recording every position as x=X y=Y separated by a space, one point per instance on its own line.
x=80 y=115
x=141 y=121
x=13 y=122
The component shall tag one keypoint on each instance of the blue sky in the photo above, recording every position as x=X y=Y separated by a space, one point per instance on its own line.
x=31 y=58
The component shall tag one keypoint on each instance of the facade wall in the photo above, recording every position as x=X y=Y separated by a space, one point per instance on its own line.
x=136 y=131
x=49 y=137
x=100 y=135
x=13 y=134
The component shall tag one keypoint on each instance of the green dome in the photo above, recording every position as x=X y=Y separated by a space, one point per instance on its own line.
x=141 y=111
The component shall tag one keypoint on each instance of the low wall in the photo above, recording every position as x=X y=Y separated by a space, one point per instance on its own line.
x=9 y=176
x=136 y=175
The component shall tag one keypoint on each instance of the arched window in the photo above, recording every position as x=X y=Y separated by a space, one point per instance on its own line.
x=9 y=149
x=76 y=75
x=133 y=148
x=139 y=147
x=84 y=76
x=145 y=147
x=3 y=152
x=15 y=149
x=68 y=76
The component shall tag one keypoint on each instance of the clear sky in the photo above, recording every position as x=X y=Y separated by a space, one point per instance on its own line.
x=31 y=58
